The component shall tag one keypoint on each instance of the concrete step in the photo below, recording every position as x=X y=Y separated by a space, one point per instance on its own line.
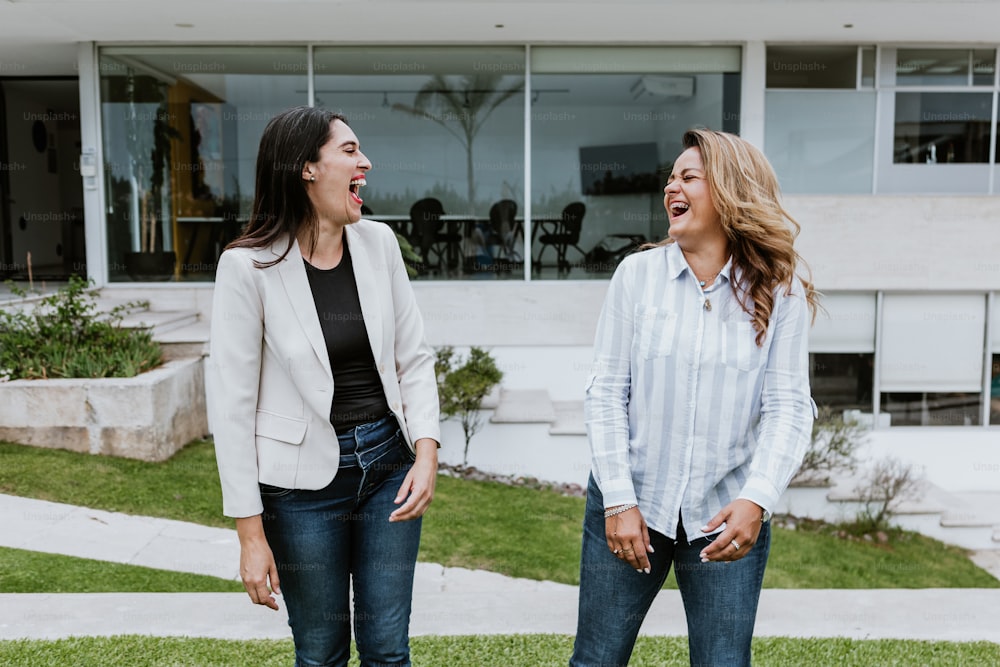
x=190 y=340
x=160 y=322
x=524 y=406
x=569 y=418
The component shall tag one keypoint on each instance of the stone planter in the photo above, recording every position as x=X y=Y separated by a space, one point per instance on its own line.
x=148 y=417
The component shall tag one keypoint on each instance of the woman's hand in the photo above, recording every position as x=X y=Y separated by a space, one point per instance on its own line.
x=743 y=522
x=418 y=486
x=628 y=538
x=257 y=566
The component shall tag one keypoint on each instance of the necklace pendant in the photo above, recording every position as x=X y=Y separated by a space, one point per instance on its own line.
x=701 y=283
x=708 y=305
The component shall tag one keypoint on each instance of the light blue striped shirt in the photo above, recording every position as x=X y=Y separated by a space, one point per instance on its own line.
x=684 y=412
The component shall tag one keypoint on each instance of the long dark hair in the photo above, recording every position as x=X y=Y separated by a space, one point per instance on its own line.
x=281 y=206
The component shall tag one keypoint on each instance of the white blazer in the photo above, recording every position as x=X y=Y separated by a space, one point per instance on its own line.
x=270 y=387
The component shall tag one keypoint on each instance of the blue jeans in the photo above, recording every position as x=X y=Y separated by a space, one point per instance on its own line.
x=720 y=598
x=322 y=539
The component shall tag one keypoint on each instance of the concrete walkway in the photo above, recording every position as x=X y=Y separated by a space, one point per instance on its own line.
x=447 y=601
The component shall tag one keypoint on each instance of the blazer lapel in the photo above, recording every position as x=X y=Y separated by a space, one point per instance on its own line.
x=368 y=292
x=296 y=284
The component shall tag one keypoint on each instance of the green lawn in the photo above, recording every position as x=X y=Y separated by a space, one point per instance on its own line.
x=36 y=572
x=488 y=651
x=517 y=531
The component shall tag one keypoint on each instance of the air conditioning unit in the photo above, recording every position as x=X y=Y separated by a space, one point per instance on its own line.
x=663 y=86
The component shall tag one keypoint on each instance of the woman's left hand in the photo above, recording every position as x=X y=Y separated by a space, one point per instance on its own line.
x=417 y=489
x=743 y=522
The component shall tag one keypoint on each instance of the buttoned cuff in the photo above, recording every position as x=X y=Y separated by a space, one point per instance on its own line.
x=762 y=492
x=618 y=492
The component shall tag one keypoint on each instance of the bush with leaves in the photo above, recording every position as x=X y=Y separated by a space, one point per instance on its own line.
x=832 y=449
x=462 y=388
x=411 y=258
x=63 y=335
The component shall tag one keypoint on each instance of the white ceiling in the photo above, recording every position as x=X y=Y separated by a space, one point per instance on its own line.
x=38 y=37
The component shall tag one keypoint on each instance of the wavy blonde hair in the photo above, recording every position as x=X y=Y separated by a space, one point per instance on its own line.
x=760 y=231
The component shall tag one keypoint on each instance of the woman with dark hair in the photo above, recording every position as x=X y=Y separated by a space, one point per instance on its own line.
x=323 y=399
x=698 y=409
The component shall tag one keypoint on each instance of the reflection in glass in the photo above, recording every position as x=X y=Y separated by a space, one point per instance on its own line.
x=181 y=127
x=821 y=141
x=984 y=62
x=868 y=67
x=932 y=409
x=842 y=381
x=932 y=67
x=444 y=124
x=936 y=128
x=812 y=67
x=602 y=145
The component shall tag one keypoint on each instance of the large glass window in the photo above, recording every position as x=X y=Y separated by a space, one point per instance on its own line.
x=813 y=67
x=842 y=381
x=933 y=128
x=842 y=352
x=180 y=129
x=820 y=118
x=444 y=129
x=932 y=408
x=606 y=125
x=938 y=109
x=931 y=358
x=945 y=67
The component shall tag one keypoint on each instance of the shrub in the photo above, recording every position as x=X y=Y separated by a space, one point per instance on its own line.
x=64 y=336
x=461 y=389
x=833 y=448
x=411 y=258
x=886 y=486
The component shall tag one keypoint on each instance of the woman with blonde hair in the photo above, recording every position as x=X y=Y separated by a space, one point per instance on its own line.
x=698 y=409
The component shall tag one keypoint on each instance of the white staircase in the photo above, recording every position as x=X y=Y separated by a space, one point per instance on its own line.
x=968 y=520
x=181 y=332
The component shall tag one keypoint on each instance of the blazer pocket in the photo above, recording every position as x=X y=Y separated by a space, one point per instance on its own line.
x=279 y=427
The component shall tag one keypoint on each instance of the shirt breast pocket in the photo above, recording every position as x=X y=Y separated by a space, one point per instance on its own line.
x=655 y=331
x=739 y=346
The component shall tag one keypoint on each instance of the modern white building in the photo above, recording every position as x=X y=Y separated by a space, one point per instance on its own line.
x=128 y=133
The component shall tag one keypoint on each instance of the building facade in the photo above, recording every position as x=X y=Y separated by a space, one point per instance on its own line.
x=541 y=134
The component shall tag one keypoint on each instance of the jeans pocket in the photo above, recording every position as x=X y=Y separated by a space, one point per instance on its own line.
x=269 y=491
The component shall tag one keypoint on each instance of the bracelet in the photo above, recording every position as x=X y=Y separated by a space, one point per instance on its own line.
x=618 y=510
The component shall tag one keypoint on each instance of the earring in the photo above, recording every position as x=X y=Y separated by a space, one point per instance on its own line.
x=312 y=179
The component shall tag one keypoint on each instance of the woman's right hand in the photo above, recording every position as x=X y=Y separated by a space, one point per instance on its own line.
x=257 y=566
x=628 y=538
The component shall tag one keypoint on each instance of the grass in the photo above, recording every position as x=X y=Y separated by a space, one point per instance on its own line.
x=516 y=531
x=35 y=572
x=486 y=651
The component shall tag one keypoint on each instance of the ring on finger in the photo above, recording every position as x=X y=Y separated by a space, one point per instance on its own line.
x=735 y=544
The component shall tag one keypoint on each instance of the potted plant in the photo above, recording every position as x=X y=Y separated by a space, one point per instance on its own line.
x=73 y=377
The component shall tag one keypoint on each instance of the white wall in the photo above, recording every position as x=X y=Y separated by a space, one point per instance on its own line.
x=900 y=242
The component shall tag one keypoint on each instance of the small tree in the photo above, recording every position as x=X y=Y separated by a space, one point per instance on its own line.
x=462 y=388
x=833 y=448
x=889 y=484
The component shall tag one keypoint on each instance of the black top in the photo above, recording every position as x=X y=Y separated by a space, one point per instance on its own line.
x=358 y=395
